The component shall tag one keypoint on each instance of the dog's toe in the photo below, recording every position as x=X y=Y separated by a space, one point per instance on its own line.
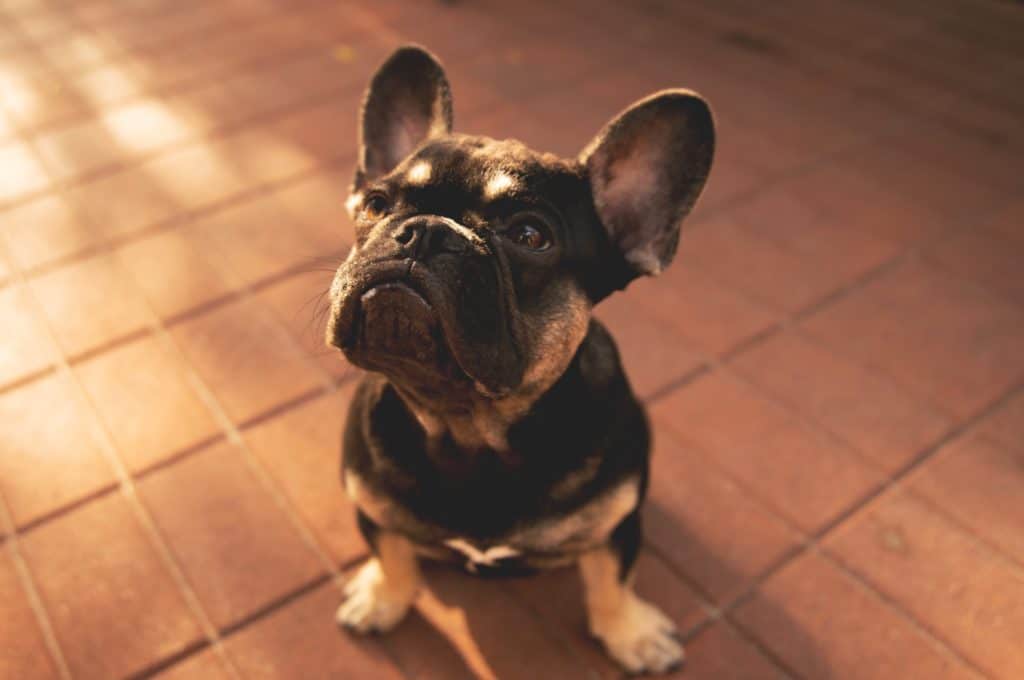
x=370 y=605
x=641 y=639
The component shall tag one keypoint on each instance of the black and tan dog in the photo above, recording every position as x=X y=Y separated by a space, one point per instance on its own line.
x=496 y=426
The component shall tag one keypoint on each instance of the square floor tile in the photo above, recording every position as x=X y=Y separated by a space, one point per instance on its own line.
x=705 y=525
x=25 y=653
x=825 y=624
x=968 y=595
x=1006 y=424
x=831 y=247
x=316 y=129
x=41 y=100
x=301 y=449
x=985 y=257
x=1006 y=221
x=80 y=52
x=250 y=365
x=25 y=346
x=318 y=202
x=301 y=640
x=768 y=270
x=81 y=148
x=46 y=229
x=109 y=84
x=22 y=172
x=718 y=653
x=705 y=312
x=944 y=188
x=263 y=157
x=870 y=205
x=300 y=303
x=945 y=340
x=173 y=270
x=89 y=303
x=141 y=202
x=979 y=482
x=195 y=177
x=797 y=470
x=119 y=601
x=147 y=401
x=203 y=666
x=253 y=240
x=145 y=126
x=653 y=353
x=861 y=405
x=492 y=628
x=237 y=548
x=51 y=453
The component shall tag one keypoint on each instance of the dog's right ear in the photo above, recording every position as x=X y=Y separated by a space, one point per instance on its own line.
x=407 y=102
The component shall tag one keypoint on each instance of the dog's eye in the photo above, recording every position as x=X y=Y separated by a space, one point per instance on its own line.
x=376 y=206
x=528 y=235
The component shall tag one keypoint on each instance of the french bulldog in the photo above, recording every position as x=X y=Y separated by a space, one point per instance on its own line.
x=495 y=426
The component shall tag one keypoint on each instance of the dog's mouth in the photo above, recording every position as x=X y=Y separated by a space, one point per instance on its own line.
x=388 y=317
x=395 y=322
x=400 y=318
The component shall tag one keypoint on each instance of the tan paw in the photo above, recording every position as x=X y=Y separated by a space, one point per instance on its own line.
x=372 y=603
x=639 y=637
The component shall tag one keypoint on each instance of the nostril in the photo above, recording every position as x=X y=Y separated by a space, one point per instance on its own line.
x=406 y=235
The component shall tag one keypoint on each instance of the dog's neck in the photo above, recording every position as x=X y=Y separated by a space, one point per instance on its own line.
x=482 y=424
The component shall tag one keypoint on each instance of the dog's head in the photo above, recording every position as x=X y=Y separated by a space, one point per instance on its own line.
x=476 y=261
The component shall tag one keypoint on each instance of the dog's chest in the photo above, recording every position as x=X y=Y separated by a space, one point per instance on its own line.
x=538 y=540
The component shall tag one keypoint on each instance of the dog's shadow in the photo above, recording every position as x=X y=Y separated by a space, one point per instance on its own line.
x=535 y=627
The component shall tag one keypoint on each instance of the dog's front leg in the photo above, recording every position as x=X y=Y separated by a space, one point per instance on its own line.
x=380 y=594
x=634 y=632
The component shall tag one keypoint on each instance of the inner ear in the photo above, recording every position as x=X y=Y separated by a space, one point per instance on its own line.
x=646 y=170
x=408 y=101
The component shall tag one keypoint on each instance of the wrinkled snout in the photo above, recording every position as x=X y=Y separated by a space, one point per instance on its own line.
x=426 y=294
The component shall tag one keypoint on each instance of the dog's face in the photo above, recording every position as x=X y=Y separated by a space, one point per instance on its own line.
x=477 y=261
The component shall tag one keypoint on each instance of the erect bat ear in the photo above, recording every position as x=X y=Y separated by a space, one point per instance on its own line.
x=646 y=170
x=407 y=102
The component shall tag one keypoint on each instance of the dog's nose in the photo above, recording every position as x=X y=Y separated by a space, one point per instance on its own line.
x=422 y=237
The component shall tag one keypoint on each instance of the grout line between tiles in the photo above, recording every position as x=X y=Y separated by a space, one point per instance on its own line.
x=687 y=379
x=163 y=664
x=126 y=485
x=766 y=651
x=28 y=587
x=269 y=608
x=205 y=137
x=135 y=54
x=814 y=540
x=931 y=637
x=993 y=546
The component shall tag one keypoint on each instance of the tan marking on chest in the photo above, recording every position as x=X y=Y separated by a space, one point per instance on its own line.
x=376 y=506
x=588 y=526
x=585 y=528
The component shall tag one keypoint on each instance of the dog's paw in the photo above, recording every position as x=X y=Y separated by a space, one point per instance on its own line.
x=639 y=637
x=372 y=603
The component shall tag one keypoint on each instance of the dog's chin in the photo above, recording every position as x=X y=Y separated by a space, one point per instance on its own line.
x=396 y=331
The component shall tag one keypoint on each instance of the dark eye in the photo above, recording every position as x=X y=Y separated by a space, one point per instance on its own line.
x=376 y=206
x=528 y=235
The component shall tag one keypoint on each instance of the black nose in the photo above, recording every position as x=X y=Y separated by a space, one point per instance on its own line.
x=422 y=237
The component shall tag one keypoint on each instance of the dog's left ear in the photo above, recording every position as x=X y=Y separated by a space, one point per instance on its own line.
x=646 y=170
x=407 y=102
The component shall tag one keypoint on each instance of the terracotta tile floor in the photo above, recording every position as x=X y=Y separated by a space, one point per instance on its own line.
x=835 y=363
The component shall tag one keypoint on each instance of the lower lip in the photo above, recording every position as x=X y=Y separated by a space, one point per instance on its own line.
x=393 y=286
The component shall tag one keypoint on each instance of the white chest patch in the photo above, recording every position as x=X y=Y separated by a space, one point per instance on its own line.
x=476 y=556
